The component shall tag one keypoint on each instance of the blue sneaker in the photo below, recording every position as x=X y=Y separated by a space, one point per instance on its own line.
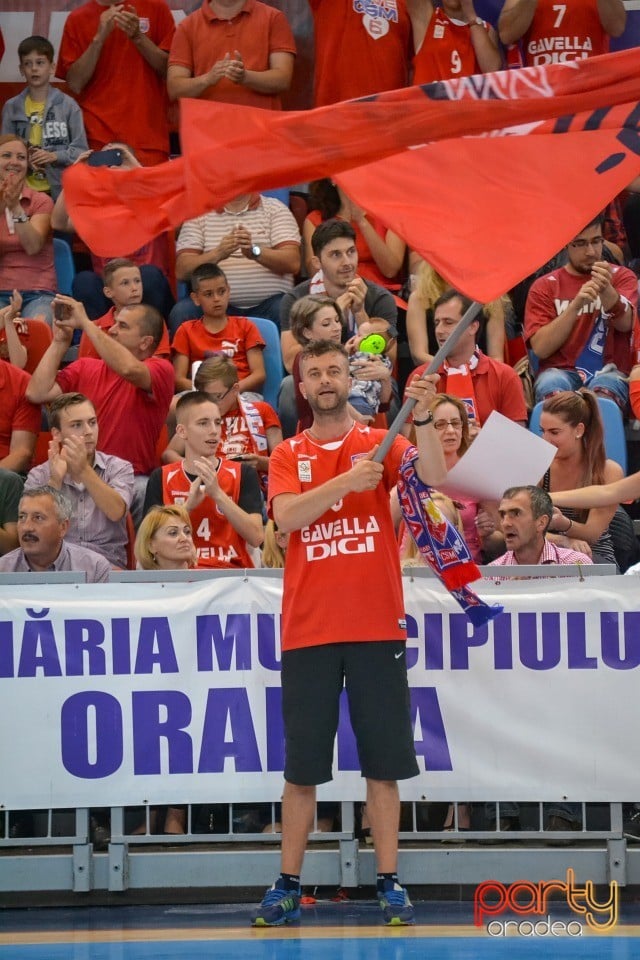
x=397 y=909
x=278 y=906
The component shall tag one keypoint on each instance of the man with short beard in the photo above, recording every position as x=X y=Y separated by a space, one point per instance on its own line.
x=581 y=322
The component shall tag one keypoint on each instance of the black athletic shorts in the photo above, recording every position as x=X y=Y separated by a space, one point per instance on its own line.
x=375 y=676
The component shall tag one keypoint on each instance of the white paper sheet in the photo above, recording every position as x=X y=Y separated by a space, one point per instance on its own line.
x=504 y=454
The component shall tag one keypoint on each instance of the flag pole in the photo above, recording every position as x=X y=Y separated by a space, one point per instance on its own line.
x=442 y=354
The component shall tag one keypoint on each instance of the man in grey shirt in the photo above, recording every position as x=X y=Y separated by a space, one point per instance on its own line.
x=43 y=521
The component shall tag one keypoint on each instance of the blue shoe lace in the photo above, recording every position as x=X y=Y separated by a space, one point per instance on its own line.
x=396 y=906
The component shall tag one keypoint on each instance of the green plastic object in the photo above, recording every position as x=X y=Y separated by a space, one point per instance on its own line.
x=374 y=343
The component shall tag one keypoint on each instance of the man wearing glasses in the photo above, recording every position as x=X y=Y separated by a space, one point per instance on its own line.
x=480 y=382
x=581 y=322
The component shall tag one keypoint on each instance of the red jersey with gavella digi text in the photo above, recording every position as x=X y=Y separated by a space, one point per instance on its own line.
x=342 y=580
x=561 y=32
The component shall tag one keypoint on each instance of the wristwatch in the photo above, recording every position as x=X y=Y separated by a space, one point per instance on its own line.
x=427 y=419
x=256 y=250
x=23 y=218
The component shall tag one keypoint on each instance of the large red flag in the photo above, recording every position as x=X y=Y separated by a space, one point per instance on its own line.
x=484 y=225
x=261 y=149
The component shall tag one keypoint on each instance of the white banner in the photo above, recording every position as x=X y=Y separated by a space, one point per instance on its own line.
x=122 y=694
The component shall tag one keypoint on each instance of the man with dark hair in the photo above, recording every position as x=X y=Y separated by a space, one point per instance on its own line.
x=482 y=383
x=334 y=246
x=581 y=322
x=130 y=388
x=525 y=514
x=98 y=485
x=43 y=522
x=326 y=491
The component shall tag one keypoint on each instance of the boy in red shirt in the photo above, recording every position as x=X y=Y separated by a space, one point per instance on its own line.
x=214 y=333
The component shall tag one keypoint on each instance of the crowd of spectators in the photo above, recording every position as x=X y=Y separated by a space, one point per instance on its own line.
x=151 y=382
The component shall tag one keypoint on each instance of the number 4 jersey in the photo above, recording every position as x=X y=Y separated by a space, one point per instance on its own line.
x=217 y=543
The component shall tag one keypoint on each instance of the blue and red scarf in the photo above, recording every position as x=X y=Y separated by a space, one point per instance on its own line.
x=439 y=543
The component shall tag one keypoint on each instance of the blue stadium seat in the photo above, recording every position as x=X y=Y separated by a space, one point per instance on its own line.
x=280 y=193
x=65 y=267
x=272 y=359
x=614 y=436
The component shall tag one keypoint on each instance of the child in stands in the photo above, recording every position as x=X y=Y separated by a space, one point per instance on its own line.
x=215 y=332
x=123 y=286
x=49 y=120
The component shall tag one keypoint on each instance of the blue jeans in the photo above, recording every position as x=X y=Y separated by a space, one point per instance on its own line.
x=35 y=303
x=185 y=309
x=610 y=382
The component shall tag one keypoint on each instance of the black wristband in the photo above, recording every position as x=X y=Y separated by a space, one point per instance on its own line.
x=423 y=423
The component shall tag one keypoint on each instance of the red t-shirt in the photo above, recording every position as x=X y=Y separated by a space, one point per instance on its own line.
x=239 y=334
x=496 y=386
x=237 y=437
x=342 y=579
x=256 y=32
x=446 y=52
x=550 y=296
x=16 y=412
x=130 y=418
x=217 y=543
x=126 y=99
x=375 y=38
x=18 y=269
x=560 y=32
x=87 y=349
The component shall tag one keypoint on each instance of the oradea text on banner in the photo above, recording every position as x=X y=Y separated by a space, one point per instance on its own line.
x=170 y=693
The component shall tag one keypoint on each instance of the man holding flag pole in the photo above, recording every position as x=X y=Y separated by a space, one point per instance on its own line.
x=329 y=488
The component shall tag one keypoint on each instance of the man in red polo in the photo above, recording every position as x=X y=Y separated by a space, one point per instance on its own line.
x=482 y=383
x=233 y=51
